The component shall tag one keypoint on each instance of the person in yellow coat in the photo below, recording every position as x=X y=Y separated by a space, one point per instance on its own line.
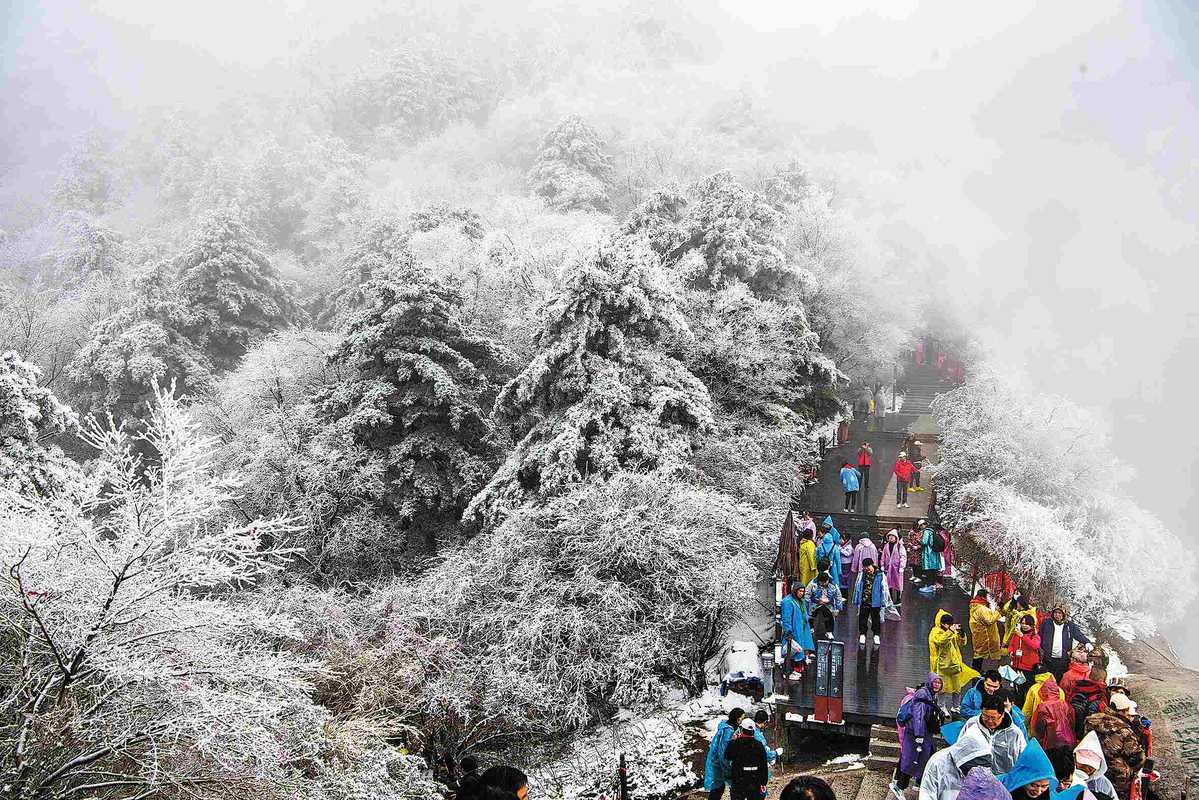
x=807 y=559
x=1033 y=700
x=984 y=630
x=945 y=642
x=1014 y=609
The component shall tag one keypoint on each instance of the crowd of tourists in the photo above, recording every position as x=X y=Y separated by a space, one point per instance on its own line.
x=1032 y=700
x=1043 y=718
x=824 y=572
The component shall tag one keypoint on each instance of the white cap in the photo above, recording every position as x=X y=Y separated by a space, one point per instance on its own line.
x=1121 y=702
x=747 y=724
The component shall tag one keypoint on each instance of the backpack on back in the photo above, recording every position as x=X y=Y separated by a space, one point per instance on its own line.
x=938 y=543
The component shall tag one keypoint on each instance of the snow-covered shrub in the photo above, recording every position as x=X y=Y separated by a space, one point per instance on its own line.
x=1032 y=479
x=605 y=597
x=135 y=663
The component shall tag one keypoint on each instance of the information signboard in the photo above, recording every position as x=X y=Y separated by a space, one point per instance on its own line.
x=830 y=681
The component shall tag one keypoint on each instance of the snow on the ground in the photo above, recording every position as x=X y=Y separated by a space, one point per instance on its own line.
x=1115 y=667
x=656 y=752
x=850 y=760
x=654 y=749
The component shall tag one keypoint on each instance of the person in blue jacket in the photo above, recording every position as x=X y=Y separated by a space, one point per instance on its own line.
x=715 y=772
x=1059 y=635
x=990 y=683
x=824 y=604
x=829 y=549
x=1034 y=778
x=797 y=630
x=716 y=775
x=851 y=482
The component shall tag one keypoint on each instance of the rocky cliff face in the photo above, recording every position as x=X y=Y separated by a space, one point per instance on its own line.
x=1168 y=694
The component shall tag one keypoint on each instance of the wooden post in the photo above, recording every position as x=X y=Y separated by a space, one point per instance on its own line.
x=623 y=773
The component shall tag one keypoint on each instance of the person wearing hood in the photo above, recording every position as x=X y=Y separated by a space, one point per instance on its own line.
x=945 y=642
x=1090 y=768
x=947 y=768
x=1016 y=609
x=1059 y=634
x=996 y=725
x=1052 y=724
x=930 y=559
x=984 y=629
x=747 y=763
x=797 y=632
x=872 y=597
x=715 y=772
x=1079 y=670
x=807 y=558
x=918 y=731
x=846 y=564
x=1034 y=698
x=828 y=551
x=980 y=784
x=1120 y=738
x=903 y=476
x=1033 y=776
x=824 y=604
x=851 y=482
x=865 y=549
x=894 y=560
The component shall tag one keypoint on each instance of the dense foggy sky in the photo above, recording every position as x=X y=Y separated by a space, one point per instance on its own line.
x=1040 y=156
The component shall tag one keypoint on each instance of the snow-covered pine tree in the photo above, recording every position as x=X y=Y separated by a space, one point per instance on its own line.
x=418 y=377
x=236 y=292
x=759 y=359
x=572 y=171
x=142 y=343
x=733 y=232
x=602 y=394
x=738 y=235
x=383 y=246
x=29 y=415
x=659 y=219
x=85 y=246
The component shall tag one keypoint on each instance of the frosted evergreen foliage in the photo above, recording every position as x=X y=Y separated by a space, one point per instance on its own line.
x=759 y=358
x=416 y=378
x=145 y=342
x=731 y=233
x=602 y=394
x=572 y=171
x=237 y=295
x=29 y=415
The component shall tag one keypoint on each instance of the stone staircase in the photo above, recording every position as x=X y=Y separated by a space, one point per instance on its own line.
x=884 y=748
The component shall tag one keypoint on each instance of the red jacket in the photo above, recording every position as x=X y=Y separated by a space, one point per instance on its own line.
x=1030 y=651
x=903 y=469
x=1074 y=673
x=864 y=459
